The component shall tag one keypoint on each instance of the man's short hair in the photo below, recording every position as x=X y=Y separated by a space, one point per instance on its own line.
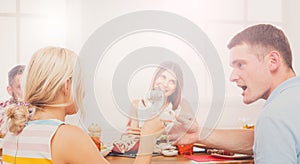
x=264 y=35
x=17 y=70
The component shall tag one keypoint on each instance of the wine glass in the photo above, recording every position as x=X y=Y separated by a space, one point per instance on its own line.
x=168 y=117
x=152 y=104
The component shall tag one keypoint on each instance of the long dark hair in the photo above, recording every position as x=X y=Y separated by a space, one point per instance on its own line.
x=175 y=98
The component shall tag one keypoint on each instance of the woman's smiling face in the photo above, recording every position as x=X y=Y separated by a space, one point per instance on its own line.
x=167 y=82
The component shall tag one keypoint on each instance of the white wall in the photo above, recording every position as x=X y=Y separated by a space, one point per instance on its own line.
x=78 y=19
x=220 y=22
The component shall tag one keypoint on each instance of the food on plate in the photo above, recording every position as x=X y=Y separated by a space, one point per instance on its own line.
x=106 y=150
x=221 y=152
x=227 y=154
x=235 y=156
x=103 y=147
x=127 y=144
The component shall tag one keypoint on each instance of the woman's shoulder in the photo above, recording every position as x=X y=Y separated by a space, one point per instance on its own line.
x=184 y=101
x=70 y=130
x=68 y=136
x=69 y=141
x=186 y=106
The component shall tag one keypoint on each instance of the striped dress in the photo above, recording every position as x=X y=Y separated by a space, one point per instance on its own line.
x=32 y=145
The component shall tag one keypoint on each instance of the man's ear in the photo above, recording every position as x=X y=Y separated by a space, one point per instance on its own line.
x=9 y=90
x=274 y=60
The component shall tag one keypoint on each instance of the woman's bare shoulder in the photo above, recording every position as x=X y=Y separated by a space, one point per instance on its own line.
x=71 y=129
x=69 y=141
x=69 y=134
x=185 y=104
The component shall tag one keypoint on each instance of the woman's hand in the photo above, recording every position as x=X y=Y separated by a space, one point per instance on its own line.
x=133 y=130
x=149 y=132
x=152 y=127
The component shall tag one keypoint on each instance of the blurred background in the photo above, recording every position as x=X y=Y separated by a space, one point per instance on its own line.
x=27 y=25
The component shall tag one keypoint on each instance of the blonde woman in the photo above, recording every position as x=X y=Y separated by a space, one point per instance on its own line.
x=37 y=132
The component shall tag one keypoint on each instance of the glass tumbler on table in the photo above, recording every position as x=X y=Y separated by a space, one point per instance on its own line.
x=168 y=117
x=94 y=133
x=185 y=149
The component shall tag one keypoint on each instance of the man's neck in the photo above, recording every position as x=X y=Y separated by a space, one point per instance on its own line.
x=282 y=77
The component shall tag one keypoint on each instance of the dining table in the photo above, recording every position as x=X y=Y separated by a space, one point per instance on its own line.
x=176 y=160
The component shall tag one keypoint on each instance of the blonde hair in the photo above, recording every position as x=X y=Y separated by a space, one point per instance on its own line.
x=47 y=72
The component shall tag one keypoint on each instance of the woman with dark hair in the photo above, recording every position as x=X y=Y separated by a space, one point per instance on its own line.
x=167 y=81
x=168 y=78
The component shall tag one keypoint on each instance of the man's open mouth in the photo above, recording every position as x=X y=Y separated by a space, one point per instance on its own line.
x=244 y=87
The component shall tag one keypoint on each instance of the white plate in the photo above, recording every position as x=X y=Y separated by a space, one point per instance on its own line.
x=106 y=151
x=169 y=153
x=235 y=156
x=164 y=146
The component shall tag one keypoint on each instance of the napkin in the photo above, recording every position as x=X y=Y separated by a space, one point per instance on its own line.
x=204 y=158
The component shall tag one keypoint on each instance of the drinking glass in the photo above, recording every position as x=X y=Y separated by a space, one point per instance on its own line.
x=152 y=104
x=168 y=117
x=185 y=149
